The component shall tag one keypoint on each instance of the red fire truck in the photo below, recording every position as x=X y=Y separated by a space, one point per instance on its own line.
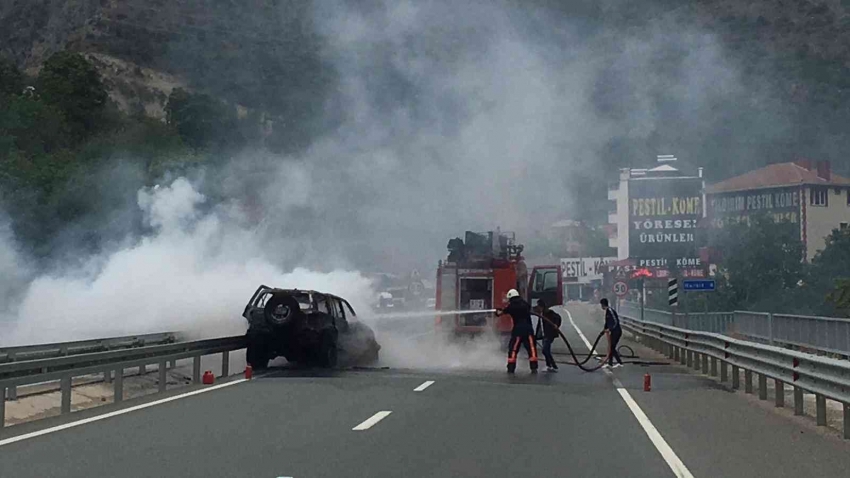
x=478 y=274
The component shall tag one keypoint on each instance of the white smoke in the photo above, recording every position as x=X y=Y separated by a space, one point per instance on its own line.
x=193 y=275
x=447 y=117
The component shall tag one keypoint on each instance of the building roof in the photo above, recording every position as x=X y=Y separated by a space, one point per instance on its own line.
x=777 y=175
x=664 y=167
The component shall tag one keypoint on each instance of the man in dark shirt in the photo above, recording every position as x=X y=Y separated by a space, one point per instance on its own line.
x=550 y=332
x=612 y=328
x=522 y=332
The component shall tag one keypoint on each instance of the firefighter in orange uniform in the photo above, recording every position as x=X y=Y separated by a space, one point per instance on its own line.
x=522 y=332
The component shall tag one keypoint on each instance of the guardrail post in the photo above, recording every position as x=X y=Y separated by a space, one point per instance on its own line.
x=770 y=327
x=748 y=381
x=119 y=385
x=65 y=385
x=683 y=355
x=820 y=403
x=762 y=386
x=143 y=369
x=225 y=364
x=173 y=363
x=713 y=366
x=705 y=364
x=676 y=351
x=798 y=401
x=690 y=358
x=723 y=371
x=196 y=369
x=779 y=390
x=736 y=377
x=163 y=368
x=107 y=376
x=846 y=421
x=11 y=392
x=2 y=407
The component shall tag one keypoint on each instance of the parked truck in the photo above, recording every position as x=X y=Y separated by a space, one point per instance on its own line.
x=477 y=275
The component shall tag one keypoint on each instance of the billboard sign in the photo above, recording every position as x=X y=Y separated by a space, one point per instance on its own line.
x=584 y=270
x=783 y=204
x=664 y=215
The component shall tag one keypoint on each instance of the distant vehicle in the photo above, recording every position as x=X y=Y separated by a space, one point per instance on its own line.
x=306 y=326
x=385 y=301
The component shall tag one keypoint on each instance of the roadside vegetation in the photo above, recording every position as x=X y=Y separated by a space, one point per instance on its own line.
x=61 y=138
x=761 y=269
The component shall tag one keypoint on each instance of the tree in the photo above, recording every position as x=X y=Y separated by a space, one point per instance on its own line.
x=762 y=266
x=32 y=127
x=840 y=297
x=829 y=276
x=11 y=79
x=70 y=83
x=201 y=120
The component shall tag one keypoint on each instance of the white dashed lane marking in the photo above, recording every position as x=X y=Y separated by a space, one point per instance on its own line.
x=371 y=421
x=423 y=386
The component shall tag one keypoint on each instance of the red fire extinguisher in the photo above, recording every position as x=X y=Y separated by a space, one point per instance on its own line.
x=647 y=383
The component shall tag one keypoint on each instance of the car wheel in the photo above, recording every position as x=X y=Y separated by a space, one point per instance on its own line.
x=280 y=309
x=373 y=356
x=329 y=354
x=256 y=355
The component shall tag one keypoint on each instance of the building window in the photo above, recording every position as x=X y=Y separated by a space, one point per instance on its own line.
x=843 y=226
x=820 y=196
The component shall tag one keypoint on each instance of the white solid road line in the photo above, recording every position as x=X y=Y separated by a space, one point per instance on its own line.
x=676 y=465
x=371 y=421
x=673 y=461
x=423 y=386
x=580 y=334
x=77 y=423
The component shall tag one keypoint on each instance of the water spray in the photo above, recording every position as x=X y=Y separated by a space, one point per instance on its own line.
x=432 y=313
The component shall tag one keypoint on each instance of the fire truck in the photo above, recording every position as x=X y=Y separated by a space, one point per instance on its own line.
x=477 y=275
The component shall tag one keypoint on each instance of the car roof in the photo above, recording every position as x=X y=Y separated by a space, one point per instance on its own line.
x=275 y=290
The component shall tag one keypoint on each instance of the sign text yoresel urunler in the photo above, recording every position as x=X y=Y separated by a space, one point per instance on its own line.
x=664 y=215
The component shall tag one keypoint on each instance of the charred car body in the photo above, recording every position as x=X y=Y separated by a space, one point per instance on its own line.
x=306 y=326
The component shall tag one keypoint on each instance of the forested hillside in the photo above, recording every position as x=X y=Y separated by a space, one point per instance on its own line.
x=166 y=85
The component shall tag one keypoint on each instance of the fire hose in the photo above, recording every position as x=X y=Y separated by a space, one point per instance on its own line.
x=576 y=361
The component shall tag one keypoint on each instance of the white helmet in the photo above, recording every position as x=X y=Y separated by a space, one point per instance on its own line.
x=512 y=293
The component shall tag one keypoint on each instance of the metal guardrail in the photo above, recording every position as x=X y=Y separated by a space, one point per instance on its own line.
x=112 y=363
x=823 y=334
x=31 y=352
x=713 y=353
x=61 y=349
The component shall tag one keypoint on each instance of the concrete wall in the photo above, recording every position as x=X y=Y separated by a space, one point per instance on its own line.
x=820 y=220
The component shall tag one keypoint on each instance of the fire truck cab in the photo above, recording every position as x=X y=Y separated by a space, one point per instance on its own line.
x=477 y=275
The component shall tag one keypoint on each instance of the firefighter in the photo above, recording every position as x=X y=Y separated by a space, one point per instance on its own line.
x=522 y=332
x=612 y=328
x=550 y=332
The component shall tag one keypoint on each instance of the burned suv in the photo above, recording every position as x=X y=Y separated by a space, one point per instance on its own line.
x=306 y=326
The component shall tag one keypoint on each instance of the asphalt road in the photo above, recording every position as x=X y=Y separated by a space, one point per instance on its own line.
x=469 y=422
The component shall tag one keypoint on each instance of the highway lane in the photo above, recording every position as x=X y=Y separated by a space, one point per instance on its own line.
x=716 y=432
x=466 y=423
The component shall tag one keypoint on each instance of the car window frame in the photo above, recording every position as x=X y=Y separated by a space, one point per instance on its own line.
x=324 y=298
x=353 y=316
